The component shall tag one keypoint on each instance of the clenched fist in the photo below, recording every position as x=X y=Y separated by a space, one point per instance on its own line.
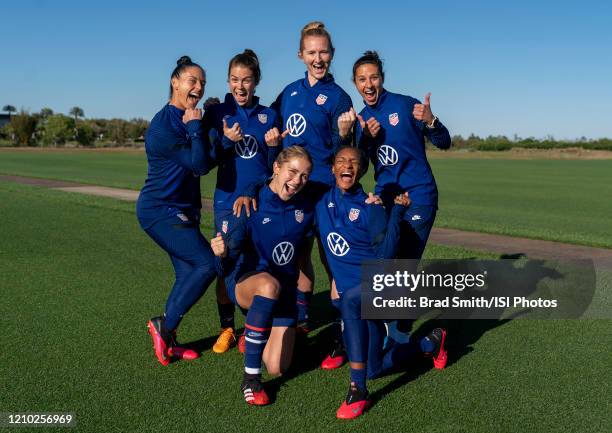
x=192 y=114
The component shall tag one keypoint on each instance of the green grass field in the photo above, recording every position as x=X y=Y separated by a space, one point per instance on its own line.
x=79 y=280
x=562 y=200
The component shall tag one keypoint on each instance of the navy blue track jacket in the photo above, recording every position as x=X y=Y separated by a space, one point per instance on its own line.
x=398 y=151
x=352 y=231
x=311 y=116
x=244 y=162
x=270 y=238
x=177 y=156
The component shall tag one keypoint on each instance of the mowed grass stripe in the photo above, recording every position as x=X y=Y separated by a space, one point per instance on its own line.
x=79 y=280
x=560 y=200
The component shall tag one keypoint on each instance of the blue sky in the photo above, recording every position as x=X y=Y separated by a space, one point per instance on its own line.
x=524 y=67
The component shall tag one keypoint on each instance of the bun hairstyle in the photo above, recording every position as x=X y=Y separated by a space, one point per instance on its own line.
x=248 y=59
x=316 y=28
x=369 y=58
x=181 y=64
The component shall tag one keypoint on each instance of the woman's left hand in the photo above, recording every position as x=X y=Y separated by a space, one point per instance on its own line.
x=192 y=114
x=274 y=138
x=402 y=199
x=246 y=202
x=423 y=112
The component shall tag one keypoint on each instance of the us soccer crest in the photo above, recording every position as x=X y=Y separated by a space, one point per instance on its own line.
x=224 y=226
x=263 y=118
x=353 y=214
x=321 y=99
x=393 y=119
x=299 y=215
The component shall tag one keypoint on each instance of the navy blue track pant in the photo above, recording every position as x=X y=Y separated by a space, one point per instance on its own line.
x=193 y=261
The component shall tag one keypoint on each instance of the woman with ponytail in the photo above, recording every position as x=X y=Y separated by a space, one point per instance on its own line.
x=315 y=113
x=247 y=146
x=168 y=208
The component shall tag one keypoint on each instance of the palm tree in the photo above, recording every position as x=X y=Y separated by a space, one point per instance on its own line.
x=77 y=112
x=9 y=109
x=46 y=112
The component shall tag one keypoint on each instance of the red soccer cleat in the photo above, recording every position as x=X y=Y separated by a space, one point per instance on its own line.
x=439 y=355
x=241 y=344
x=183 y=353
x=335 y=359
x=254 y=393
x=177 y=351
x=332 y=362
x=355 y=404
x=161 y=339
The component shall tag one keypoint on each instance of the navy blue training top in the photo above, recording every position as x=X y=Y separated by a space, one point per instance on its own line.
x=240 y=163
x=398 y=151
x=352 y=231
x=177 y=156
x=310 y=113
x=270 y=238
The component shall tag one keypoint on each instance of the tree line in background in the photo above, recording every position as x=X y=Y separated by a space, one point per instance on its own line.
x=47 y=128
x=501 y=142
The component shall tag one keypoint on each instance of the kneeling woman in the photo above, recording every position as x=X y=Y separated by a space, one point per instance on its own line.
x=263 y=280
x=352 y=231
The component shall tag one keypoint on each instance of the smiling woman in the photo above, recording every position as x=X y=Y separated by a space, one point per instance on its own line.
x=246 y=145
x=169 y=204
x=187 y=83
x=260 y=268
x=310 y=110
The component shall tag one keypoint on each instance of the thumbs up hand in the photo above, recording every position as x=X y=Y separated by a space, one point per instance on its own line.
x=346 y=121
x=274 y=138
x=423 y=112
x=217 y=244
x=234 y=133
x=371 y=127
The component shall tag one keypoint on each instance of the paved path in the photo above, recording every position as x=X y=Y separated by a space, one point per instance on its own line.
x=533 y=248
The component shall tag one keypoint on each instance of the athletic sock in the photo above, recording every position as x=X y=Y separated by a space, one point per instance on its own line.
x=257 y=326
x=226 y=315
x=358 y=376
x=303 y=302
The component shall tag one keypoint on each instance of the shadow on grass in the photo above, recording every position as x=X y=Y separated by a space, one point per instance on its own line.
x=463 y=334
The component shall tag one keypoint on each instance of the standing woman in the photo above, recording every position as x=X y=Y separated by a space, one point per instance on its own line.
x=391 y=130
x=244 y=152
x=311 y=111
x=169 y=204
x=263 y=278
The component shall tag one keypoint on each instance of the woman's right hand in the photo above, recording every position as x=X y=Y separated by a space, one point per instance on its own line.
x=346 y=122
x=218 y=246
x=234 y=133
x=192 y=114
